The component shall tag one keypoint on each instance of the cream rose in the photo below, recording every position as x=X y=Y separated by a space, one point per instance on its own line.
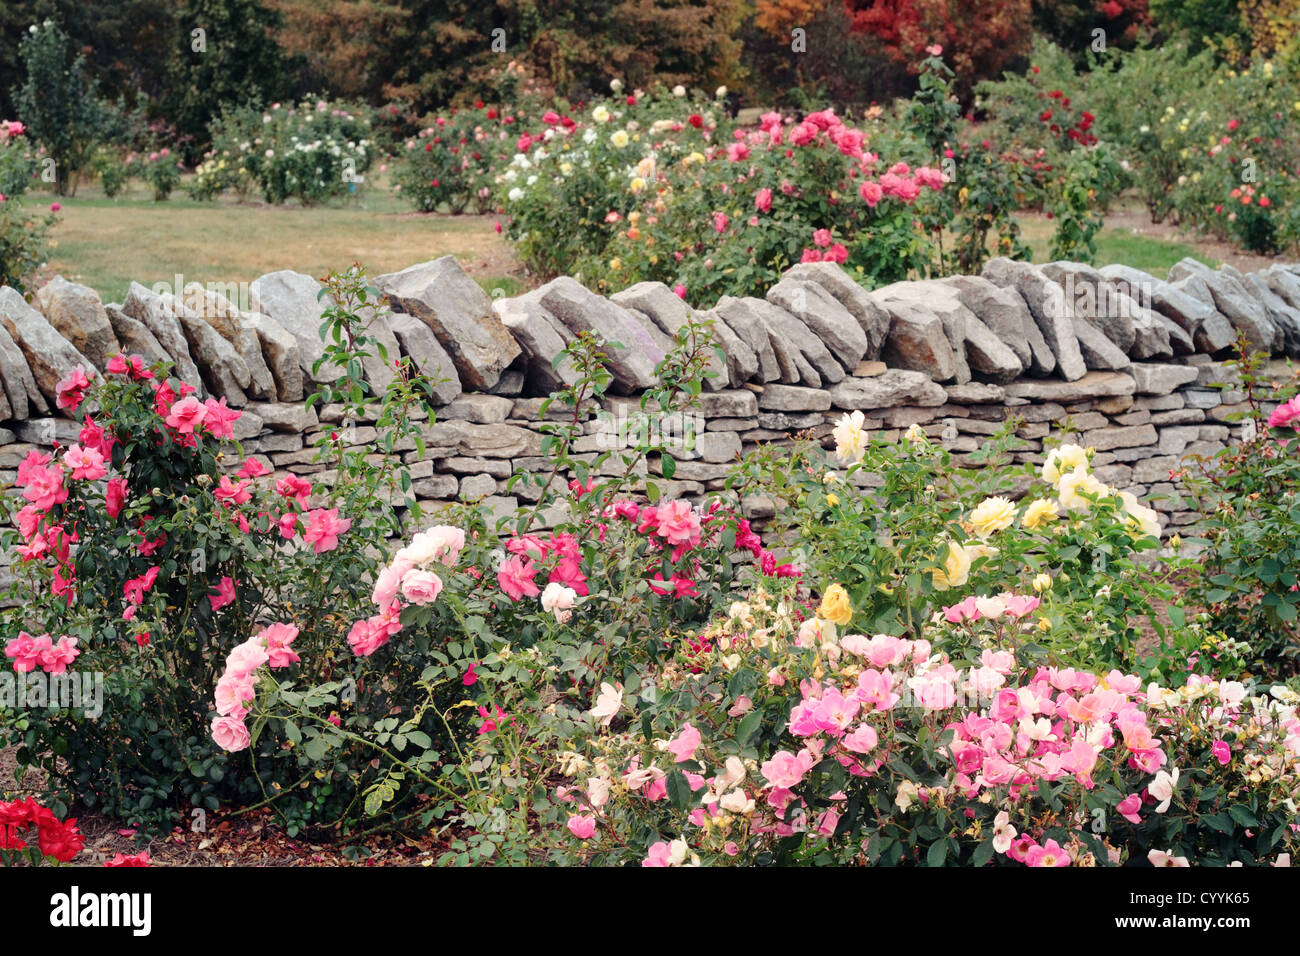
x=993 y=514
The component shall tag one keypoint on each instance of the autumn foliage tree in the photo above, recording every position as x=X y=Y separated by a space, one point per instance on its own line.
x=979 y=39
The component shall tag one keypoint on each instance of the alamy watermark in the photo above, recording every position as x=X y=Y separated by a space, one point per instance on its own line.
x=207 y=298
x=1109 y=299
x=71 y=691
x=629 y=428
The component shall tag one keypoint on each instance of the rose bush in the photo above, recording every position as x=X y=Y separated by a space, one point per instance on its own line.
x=151 y=549
x=312 y=151
x=23 y=245
x=810 y=744
x=31 y=832
x=1250 y=529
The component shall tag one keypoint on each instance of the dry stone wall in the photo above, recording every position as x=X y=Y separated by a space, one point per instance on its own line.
x=1133 y=362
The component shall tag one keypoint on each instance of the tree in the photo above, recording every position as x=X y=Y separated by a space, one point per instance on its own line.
x=451 y=50
x=225 y=54
x=1071 y=24
x=60 y=104
x=126 y=43
x=826 y=64
x=346 y=47
x=1203 y=22
x=979 y=39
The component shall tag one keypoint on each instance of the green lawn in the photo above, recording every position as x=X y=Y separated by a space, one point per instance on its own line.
x=1116 y=244
x=107 y=243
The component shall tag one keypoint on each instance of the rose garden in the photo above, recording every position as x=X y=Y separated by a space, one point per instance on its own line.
x=786 y=507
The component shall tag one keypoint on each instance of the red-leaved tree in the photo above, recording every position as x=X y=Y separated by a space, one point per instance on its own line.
x=979 y=39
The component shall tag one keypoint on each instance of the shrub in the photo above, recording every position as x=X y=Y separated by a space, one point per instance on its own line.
x=161 y=170
x=808 y=744
x=671 y=199
x=311 y=152
x=112 y=171
x=1250 y=530
x=452 y=162
x=152 y=560
x=23 y=247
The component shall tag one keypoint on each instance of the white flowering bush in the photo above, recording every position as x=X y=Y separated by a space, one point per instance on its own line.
x=312 y=151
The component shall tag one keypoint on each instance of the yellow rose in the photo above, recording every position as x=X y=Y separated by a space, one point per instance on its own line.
x=1042 y=582
x=1079 y=480
x=619 y=138
x=1142 y=519
x=850 y=439
x=1039 y=513
x=832 y=499
x=1063 y=459
x=956 y=568
x=992 y=514
x=835 y=606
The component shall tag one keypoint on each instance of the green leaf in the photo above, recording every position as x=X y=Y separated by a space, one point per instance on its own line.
x=983 y=853
x=679 y=790
x=937 y=853
x=1243 y=815
x=748 y=728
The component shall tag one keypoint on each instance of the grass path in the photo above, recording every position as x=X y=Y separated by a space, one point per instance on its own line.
x=106 y=243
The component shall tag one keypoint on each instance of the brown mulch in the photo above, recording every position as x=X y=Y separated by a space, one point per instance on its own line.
x=229 y=838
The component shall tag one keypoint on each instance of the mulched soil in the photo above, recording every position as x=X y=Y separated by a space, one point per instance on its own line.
x=255 y=838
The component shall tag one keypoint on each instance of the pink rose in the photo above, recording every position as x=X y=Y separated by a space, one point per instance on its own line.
x=1285 y=414
x=324 y=527
x=582 y=825
x=115 y=497
x=247 y=657
x=388 y=581
x=87 y=464
x=230 y=734
x=516 y=578
x=678 y=523
x=684 y=745
x=277 y=637
x=186 y=415
x=233 y=692
x=421 y=587
x=225 y=593
x=1128 y=808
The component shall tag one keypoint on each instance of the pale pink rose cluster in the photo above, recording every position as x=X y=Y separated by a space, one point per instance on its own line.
x=1057 y=724
x=407 y=581
x=237 y=686
x=975 y=608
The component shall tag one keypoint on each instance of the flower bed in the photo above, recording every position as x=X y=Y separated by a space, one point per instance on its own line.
x=914 y=661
